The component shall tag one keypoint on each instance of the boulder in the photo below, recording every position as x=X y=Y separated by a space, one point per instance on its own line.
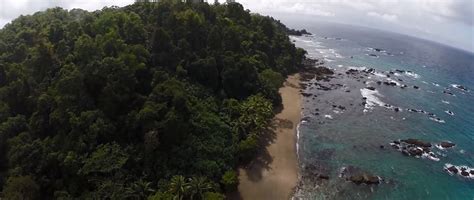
x=417 y=142
x=370 y=88
x=323 y=176
x=415 y=151
x=453 y=169
x=465 y=173
x=447 y=144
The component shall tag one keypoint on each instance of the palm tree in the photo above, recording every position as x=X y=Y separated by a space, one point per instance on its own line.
x=140 y=189
x=178 y=187
x=199 y=186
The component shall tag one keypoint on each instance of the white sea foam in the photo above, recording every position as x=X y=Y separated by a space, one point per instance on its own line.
x=430 y=156
x=449 y=112
x=328 y=116
x=357 y=68
x=297 y=139
x=435 y=84
x=437 y=120
x=380 y=74
x=412 y=74
x=459 y=170
x=391 y=80
x=446 y=102
x=372 y=98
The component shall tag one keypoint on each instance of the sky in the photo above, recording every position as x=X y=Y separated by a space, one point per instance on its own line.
x=449 y=22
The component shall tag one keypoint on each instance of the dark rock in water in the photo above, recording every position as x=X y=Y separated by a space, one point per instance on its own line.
x=373 y=55
x=388 y=76
x=464 y=173
x=400 y=71
x=404 y=152
x=371 y=180
x=400 y=80
x=348 y=91
x=461 y=87
x=379 y=82
x=382 y=147
x=453 y=169
x=417 y=142
x=352 y=71
x=364 y=98
x=396 y=109
x=447 y=144
x=390 y=83
x=306 y=94
x=341 y=107
x=390 y=72
x=370 y=88
x=416 y=87
x=377 y=49
x=403 y=86
x=415 y=151
x=323 y=176
x=364 y=178
x=450 y=93
x=471 y=172
x=358 y=179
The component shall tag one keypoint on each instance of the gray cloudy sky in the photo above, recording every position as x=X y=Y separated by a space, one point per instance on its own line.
x=446 y=21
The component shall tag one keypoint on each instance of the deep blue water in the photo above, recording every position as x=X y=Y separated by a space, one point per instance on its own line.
x=331 y=138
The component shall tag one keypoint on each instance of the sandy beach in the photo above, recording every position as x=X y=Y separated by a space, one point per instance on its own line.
x=274 y=173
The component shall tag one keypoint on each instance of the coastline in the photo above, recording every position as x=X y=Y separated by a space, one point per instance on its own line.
x=274 y=173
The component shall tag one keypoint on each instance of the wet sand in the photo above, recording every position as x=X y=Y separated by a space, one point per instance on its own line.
x=274 y=173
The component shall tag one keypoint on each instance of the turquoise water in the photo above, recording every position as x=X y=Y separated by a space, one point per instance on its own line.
x=332 y=138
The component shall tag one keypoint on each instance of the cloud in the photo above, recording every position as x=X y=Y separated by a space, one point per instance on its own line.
x=384 y=16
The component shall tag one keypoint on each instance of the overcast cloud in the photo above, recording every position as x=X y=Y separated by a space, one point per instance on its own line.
x=446 y=21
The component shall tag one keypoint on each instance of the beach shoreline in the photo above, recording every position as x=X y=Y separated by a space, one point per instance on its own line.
x=273 y=174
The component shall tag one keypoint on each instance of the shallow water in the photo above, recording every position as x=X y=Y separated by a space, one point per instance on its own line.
x=332 y=138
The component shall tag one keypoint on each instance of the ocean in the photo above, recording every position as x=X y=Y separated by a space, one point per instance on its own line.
x=386 y=87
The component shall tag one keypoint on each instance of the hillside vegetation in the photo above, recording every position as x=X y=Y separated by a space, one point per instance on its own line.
x=152 y=100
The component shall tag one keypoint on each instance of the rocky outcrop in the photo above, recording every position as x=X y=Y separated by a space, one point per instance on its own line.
x=358 y=176
x=415 y=148
x=447 y=145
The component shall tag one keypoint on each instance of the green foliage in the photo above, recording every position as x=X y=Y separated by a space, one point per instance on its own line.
x=230 y=180
x=113 y=104
x=106 y=159
x=20 y=188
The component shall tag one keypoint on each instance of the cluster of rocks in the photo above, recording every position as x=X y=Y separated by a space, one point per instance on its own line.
x=310 y=71
x=418 y=148
x=415 y=148
x=464 y=171
x=388 y=82
x=430 y=115
x=316 y=172
x=449 y=93
x=461 y=88
x=358 y=176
